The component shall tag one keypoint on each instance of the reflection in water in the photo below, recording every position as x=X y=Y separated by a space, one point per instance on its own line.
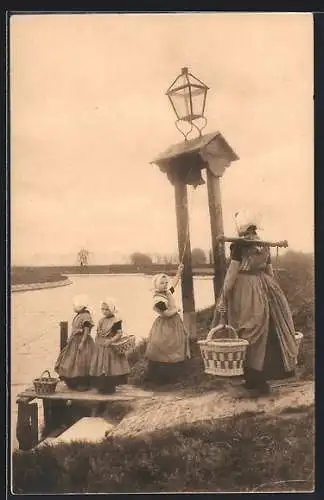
x=35 y=333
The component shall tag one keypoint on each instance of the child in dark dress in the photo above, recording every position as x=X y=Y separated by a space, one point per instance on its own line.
x=108 y=367
x=73 y=363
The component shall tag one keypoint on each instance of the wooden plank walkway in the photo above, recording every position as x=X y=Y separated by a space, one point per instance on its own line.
x=54 y=406
x=123 y=393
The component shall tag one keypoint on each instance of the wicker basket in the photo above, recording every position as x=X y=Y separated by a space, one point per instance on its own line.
x=45 y=385
x=223 y=352
x=124 y=345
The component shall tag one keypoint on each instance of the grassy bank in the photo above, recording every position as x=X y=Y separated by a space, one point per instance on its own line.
x=240 y=453
x=32 y=275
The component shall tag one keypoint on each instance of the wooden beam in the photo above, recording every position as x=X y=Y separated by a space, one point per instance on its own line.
x=27 y=425
x=188 y=301
x=216 y=224
x=33 y=408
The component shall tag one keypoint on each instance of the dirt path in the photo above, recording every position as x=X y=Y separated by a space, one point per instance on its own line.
x=166 y=410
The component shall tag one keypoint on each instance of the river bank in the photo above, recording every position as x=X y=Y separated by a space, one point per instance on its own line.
x=39 y=274
x=24 y=279
x=64 y=281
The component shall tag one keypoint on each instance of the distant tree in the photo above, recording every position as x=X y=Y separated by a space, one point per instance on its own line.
x=140 y=259
x=198 y=256
x=83 y=257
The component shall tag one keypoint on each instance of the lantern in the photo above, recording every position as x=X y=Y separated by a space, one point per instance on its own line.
x=187 y=96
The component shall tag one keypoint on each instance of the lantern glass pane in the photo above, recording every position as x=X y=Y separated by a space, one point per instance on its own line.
x=198 y=97
x=181 y=102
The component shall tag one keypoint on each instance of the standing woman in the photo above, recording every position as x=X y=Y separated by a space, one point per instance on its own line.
x=257 y=308
x=73 y=363
x=108 y=367
x=168 y=342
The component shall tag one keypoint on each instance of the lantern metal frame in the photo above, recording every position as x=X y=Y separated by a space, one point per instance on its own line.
x=174 y=89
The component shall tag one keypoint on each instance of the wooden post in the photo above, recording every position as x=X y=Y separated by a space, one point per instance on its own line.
x=27 y=424
x=188 y=301
x=209 y=151
x=216 y=224
x=63 y=334
x=33 y=408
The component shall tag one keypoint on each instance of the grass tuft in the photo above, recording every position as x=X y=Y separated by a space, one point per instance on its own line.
x=234 y=454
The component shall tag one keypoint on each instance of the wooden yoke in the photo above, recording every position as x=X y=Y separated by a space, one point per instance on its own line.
x=260 y=243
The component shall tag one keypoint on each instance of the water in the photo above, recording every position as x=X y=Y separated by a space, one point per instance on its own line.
x=35 y=332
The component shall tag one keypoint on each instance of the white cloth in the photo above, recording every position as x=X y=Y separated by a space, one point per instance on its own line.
x=80 y=302
x=156 y=281
x=111 y=304
x=246 y=218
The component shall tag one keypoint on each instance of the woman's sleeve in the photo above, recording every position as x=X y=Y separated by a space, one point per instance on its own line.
x=116 y=327
x=236 y=252
x=87 y=321
x=161 y=306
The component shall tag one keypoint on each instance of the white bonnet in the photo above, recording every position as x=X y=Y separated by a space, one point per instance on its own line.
x=80 y=302
x=246 y=218
x=111 y=303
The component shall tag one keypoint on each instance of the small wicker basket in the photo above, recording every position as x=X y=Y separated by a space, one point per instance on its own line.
x=124 y=345
x=223 y=352
x=45 y=385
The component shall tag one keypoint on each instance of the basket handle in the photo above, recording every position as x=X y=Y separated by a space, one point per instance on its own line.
x=46 y=371
x=216 y=329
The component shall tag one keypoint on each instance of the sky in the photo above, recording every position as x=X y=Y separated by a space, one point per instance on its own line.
x=88 y=114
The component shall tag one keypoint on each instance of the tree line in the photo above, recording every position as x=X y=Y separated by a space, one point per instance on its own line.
x=198 y=257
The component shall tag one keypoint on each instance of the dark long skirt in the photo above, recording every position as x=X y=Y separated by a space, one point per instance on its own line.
x=164 y=373
x=77 y=383
x=273 y=367
x=107 y=384
x=72 y=365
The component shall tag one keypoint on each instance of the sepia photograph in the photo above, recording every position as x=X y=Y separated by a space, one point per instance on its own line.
x=162 y=329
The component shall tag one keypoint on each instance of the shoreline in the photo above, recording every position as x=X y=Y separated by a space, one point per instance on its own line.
x=26 y=287
x=66 y=280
